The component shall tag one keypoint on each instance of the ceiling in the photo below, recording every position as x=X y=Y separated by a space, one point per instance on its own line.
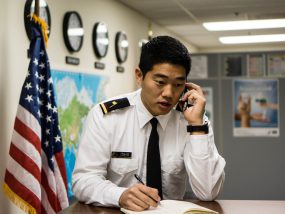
x=185 y=17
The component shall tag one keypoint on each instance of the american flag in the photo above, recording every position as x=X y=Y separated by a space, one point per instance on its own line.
x=35 y=177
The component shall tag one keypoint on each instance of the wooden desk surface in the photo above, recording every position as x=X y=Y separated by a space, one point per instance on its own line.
x=222 y=206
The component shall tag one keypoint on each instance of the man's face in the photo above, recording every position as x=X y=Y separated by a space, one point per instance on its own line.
x=161 y=87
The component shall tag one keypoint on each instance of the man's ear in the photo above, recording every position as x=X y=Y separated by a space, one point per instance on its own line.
x=139 y=76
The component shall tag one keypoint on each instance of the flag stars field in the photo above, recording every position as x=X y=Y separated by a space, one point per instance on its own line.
x=54 y=109
x=48 y=118
x=29 y=98
x=50 y=80
x=40 y=114
x=42 y=65
x=41 y=77
x=41 y=90
x=48 y=93
x=28 y=85
x=36 y=62
x=49 y=107
x=40 y=102
x=57 y=138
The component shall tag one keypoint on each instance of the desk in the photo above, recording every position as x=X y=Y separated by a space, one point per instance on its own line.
x=222 y=206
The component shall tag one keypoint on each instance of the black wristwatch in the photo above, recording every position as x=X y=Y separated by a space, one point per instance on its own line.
x=202 y=128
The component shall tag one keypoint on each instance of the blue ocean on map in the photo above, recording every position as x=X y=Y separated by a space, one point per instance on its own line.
x=76 y=93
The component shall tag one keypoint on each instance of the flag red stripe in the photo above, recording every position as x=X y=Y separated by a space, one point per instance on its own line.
x=25 y=161
x=28 y=134
x=22 y=191
x=43 y=210
x=61 y=165
x=52 y=198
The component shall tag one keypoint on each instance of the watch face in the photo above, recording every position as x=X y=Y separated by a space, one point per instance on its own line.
x=73 y=31
x=122 y=45
x=43 y=12
x=100 y=39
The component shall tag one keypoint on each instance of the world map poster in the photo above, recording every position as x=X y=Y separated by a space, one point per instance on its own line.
x=75 y=93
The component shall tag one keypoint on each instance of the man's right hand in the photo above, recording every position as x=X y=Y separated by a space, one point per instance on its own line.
x=139 y=197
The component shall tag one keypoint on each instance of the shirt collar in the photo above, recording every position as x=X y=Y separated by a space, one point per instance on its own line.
x=144 y=116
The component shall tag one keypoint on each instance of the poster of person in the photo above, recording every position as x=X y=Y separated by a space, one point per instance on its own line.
x=208 y=93
x=256 y=108
x=76 y=93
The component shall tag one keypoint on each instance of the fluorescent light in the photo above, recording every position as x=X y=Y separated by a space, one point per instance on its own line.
x=252 y=39
x=245 y=25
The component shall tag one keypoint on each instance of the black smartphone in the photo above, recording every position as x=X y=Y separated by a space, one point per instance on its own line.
x=184 y=104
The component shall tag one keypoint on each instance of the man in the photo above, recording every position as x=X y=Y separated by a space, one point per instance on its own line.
x=115 y=143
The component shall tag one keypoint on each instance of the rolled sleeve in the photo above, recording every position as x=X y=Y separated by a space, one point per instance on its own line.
x=199 y=145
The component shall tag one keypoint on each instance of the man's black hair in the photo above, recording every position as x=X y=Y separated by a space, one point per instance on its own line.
x=164 y=49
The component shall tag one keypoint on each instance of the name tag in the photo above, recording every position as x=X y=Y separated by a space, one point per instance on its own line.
x=121 y=155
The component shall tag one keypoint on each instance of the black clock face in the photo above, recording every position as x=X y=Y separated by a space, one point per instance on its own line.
x=73 y=31
x=43 y=12
x=100 y=39
x=121 y=46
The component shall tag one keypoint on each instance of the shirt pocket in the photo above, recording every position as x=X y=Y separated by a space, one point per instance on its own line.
x=121 y=171
x=173 y=178
x=173 y=166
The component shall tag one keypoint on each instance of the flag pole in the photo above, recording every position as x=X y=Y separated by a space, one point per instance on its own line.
x=37 y=7
x=42 y=23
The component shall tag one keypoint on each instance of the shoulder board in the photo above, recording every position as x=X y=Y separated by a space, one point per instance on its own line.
x=114 y=105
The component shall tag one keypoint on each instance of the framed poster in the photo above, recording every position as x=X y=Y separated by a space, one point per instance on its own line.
x=199 y=67
x=233 y=65
x=276 y=64
x=256 y=65
x=256 y=108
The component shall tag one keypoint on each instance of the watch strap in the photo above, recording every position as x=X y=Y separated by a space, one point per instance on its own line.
x=202 y=128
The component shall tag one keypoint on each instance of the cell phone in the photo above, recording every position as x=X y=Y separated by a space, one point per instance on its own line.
x=184 y=104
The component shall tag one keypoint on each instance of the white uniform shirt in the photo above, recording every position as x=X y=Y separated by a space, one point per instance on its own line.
x=100 y=179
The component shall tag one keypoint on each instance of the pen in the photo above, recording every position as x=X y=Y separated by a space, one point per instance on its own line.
x=140 y=180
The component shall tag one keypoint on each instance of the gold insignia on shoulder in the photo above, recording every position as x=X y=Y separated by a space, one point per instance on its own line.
x=114 y=105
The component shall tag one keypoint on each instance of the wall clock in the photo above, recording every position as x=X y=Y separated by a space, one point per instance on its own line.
x=121 y=46
x=43 y=12
x=73 y=32
x=100 y=39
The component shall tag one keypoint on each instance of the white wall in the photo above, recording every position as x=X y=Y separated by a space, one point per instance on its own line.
x=14 y=62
